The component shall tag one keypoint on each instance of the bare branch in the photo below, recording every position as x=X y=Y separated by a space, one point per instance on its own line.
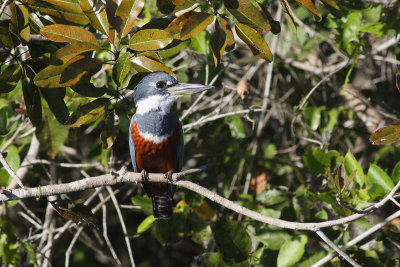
x=10 y=171
x=364 y=235
x=124 y=177
x=336 y=248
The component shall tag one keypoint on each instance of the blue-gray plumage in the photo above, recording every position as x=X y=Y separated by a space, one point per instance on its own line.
x=156 y=135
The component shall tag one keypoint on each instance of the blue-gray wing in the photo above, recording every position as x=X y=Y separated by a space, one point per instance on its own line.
x=180 y=148
x=132 y=145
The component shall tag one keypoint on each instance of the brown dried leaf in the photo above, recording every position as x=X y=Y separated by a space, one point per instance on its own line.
x=259 y=183
x=243 y=88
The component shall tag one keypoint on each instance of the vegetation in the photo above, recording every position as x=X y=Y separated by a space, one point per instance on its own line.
x=302 y=127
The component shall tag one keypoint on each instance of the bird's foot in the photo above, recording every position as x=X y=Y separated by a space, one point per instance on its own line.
x=168 y=177
x=145 y=176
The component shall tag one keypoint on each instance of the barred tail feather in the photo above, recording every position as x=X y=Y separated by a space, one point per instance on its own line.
x=162 y=205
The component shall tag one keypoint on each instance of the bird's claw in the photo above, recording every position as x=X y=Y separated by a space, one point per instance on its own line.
x=145 y=176
x=168 y=177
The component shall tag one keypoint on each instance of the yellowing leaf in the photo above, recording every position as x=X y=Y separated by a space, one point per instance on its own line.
x=195 y=24
x=254 y=40
x=150 y=39
x=88 y=112
x=69 y=5
x=128 y=11
x=205 y=211
x=386 y=135
x=73 y=13
x=311 y=7
x=19 y=24
x=224 y=25
x=67 y=33
x=66 y=53
x=67 y=74
x=147 y=64
x=247 y=13
x=96 y=13
x=218 y=43
x=110 y=130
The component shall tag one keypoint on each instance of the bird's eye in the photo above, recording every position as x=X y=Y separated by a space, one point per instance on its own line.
x=161 y=85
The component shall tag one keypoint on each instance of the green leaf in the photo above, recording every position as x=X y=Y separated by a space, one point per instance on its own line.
x=195 y=24
x=9 y=78
x=173 y=229
x=351 y=164
x=110 y=130
x=263 y=257
x=67 y=33
x=52 y=136
x=147 y=64
x=273 y=196
x=128 y=11
x=232 y=240
x=33 y=102
x=95 y=11
x=150 y=39
x=30 y=252
x=71 y=50
x=271 y=238
x=201 y=232
x=199 y=43
x=372 y=14
x=318 y=161
x=13 y=160
x=72 y=14
x=313 y=259
x=254 y=41
x=88 y=112
x=379 y=180
x=121 y=68
x=351 y=28
x=146 y=224
x=214 y=259
x=385 y=135
x=247 y=13
x=55 y=100
x=88 y=90
x=172 y=49
x=292 y=250
x=312 y=8
x=144 y=202
x=19 y=23
x=396 y=173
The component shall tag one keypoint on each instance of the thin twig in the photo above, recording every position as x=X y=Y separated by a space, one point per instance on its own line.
x=360 y=237
x=336 y=248
x=121 y=220
x=10 y=171
x=3 y=6
x=105 y=234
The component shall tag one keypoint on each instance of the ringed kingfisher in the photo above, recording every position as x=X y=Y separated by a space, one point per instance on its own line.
x=156 y=135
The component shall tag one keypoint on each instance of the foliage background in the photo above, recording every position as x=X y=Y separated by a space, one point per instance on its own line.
x=272 y=144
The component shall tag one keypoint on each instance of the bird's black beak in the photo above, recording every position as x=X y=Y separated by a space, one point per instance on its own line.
x=181 y=89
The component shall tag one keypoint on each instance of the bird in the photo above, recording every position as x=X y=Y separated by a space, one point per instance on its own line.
x=156 y=135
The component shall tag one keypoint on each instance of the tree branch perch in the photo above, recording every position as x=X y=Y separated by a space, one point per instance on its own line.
x=123 y=177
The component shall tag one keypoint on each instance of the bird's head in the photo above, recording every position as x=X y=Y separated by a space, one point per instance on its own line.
x=158 y=90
